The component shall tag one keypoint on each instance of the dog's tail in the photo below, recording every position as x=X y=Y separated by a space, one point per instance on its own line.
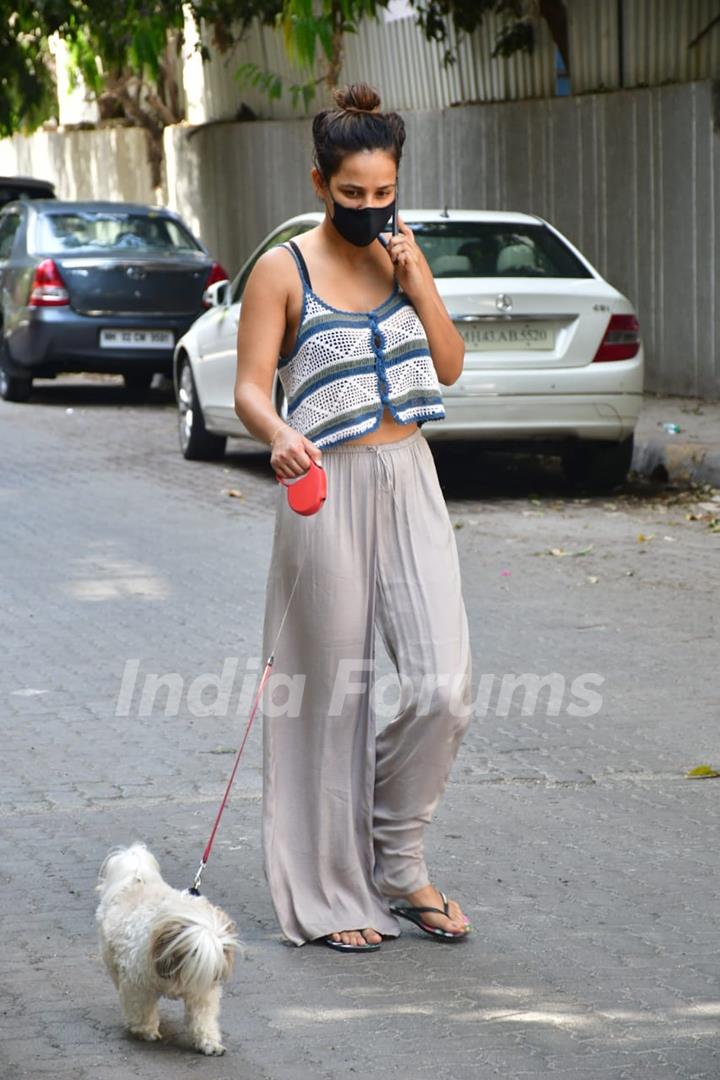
x=194 y=950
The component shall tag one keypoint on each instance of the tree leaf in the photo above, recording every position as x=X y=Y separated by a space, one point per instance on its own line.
x=702 y=772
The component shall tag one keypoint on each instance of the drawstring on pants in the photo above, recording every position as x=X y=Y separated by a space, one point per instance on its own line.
x=387 y=471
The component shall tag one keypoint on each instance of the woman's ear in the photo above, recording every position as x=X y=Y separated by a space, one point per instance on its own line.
x=318 y=182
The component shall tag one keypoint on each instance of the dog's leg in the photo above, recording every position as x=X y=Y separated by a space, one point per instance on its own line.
x=139 y=1007
x=201 y=1017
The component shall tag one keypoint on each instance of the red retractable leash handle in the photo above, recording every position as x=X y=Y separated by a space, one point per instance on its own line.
x=305 y=496
x=308 y=492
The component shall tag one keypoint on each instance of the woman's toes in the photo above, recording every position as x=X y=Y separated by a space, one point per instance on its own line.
x=356 y=937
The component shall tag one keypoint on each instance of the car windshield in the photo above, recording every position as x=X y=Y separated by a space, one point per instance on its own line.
x=110 y=232
x=461 y=249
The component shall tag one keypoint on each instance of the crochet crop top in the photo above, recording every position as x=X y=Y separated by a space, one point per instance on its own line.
x=347 y=366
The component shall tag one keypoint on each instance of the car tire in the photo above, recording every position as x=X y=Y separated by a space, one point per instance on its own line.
x=14 y=387
x=596 y=465
x=196 y=442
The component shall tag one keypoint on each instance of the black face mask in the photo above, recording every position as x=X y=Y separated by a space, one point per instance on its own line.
x=361 y=227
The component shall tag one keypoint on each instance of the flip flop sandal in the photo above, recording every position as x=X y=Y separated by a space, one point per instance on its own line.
x=369 y=946
x=406 y=911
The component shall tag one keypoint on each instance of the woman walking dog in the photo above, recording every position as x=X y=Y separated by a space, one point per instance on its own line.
x=364 y=341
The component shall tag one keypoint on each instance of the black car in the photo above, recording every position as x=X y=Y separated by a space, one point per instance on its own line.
x=24 y=187
x=95 y=286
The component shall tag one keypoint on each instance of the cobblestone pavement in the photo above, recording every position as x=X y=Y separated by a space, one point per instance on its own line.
x=585 y=859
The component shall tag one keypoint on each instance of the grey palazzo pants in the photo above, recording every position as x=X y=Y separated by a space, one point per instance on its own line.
x=345 y=808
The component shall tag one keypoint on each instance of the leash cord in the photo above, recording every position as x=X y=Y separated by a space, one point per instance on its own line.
x=195 y=888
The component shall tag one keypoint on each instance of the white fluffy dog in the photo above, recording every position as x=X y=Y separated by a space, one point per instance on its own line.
x=158 y=942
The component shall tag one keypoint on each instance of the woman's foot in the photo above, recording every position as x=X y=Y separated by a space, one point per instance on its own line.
x=429 y=896
x=357 y=937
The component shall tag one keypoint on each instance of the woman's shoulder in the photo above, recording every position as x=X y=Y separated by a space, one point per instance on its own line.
x=275 y=270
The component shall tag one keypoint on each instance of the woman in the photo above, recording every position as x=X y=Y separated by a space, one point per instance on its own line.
x=363 y=341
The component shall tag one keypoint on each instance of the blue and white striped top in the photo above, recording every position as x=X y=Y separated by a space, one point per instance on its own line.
x=347 y=366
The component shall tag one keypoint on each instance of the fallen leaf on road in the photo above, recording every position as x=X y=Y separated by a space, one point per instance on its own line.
x=233 y=493
x=593 y=580
x=642 y=538
x=702 y=772
x=560 y=552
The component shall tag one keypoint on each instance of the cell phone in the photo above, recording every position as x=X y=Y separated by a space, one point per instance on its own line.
x=395 y=216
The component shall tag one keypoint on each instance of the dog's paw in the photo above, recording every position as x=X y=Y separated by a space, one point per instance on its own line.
x=210 y=1047
x=148 y=1034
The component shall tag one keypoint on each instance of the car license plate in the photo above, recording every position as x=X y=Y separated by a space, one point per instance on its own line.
x=510 y=335
x=136 y=339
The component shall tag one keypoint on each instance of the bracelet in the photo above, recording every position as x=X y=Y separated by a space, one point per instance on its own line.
x=275 y=434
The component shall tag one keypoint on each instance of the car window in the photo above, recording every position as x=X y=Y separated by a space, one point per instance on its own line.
x=8 y=227
x=110 y=232
x=277 y=238
x=496 y=249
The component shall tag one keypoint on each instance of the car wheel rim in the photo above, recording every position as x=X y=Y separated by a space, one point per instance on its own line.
x=185 y=405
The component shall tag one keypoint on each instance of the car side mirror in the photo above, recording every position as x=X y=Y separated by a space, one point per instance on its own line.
x=217 y=294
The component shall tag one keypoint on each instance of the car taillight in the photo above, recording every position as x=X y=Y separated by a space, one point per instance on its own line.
x=48 y=288
x=621 y=340
x=217 y=273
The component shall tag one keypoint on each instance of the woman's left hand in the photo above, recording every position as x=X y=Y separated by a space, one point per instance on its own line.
x=411 y=268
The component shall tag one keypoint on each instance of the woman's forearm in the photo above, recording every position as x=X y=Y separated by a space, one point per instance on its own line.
x=447 y=347
x=257 y=412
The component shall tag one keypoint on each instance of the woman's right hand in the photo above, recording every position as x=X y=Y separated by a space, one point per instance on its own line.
x=291 y=453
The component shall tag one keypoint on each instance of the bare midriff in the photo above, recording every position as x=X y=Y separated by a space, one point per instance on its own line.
x=388 y=430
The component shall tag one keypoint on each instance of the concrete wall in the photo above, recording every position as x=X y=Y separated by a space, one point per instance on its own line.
x=107 y=163
x=629 y=176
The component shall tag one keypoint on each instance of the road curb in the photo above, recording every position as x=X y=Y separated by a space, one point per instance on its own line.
x=681 y=461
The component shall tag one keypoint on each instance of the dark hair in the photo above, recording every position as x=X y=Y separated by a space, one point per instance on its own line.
x=356 y=123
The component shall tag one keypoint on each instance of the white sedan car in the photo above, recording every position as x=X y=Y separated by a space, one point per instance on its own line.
x=553 y=360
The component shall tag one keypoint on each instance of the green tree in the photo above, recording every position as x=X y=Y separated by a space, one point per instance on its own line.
x=125 y=50
x=27 y=87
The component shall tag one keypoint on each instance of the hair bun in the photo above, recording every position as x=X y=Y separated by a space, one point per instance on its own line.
x=359 y=97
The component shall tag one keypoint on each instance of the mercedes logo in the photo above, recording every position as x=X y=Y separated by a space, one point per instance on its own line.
x=503 y=302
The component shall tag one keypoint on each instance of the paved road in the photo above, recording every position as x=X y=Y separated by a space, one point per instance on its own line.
x=585 y=858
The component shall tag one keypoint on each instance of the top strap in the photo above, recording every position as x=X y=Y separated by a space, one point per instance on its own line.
x=302 y=265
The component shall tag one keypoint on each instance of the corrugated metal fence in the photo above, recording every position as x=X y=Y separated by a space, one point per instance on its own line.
x=393 y=56
x=613 y=44
x=627 y=43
